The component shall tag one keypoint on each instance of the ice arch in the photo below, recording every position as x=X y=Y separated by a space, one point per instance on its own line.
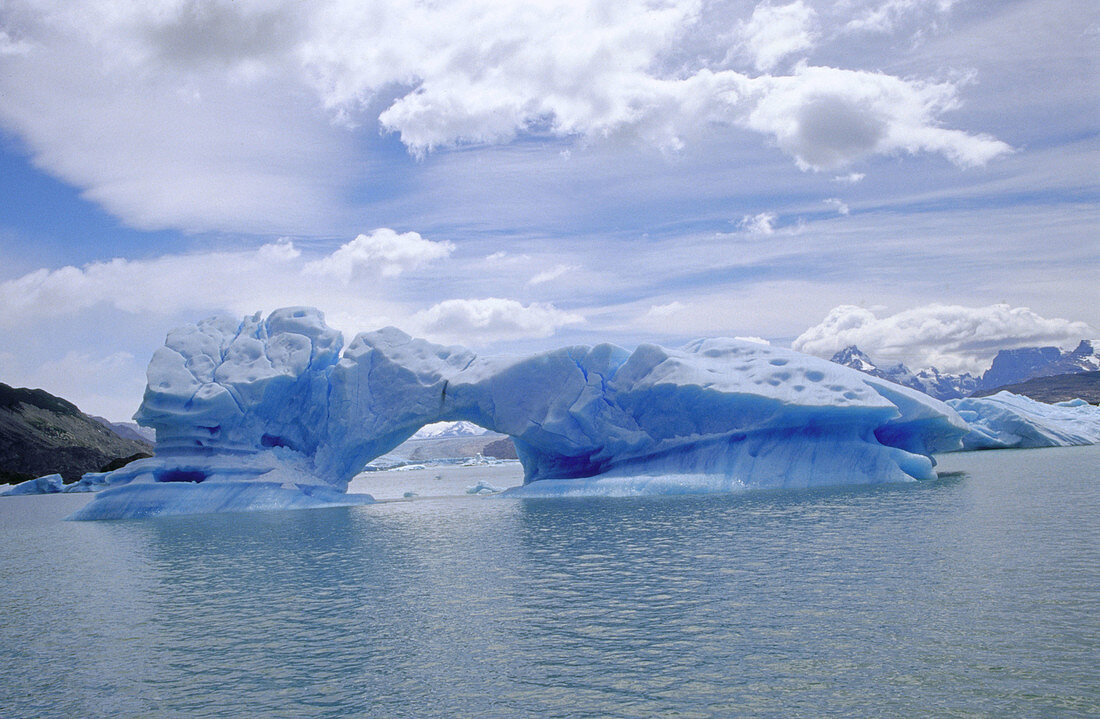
x=275 y=412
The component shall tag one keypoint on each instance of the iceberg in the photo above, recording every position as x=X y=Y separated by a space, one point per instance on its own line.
x=55 y=483
x=49 y=484
x=1007 y=420
x=482 y=487
x=244 y=406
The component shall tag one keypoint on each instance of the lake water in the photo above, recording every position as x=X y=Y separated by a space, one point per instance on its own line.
x=974 y=595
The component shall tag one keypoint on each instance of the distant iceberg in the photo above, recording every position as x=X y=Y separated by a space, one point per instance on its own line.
x=49 y=484
x=274 y=402
x=1007 y=420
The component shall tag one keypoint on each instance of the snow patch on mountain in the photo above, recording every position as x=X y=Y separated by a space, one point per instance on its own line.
x=1009 y=366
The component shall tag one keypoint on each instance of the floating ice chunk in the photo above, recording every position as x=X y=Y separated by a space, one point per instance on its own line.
x=49 y=484
x=1007 y=420
x=482 y=487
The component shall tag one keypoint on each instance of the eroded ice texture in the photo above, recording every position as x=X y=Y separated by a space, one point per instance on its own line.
x=1007 y=420
x=273 y=401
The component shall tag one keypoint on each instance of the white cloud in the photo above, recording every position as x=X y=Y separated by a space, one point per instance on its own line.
x=383 y=251
x=760 y=224
x=120 y=101
x=839 y=205
x=109 y=386
x=827 y=117
x=552 y=273
x=850 y=178
x=776 y=31
x=282 y=250
x=271 y=276
x=485 y=72
x=884 y=16
x=242 y=116
x=661 y=312
x=491 y=319
x=949 y=337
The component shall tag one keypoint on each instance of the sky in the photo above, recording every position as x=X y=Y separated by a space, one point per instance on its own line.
x=917 y=177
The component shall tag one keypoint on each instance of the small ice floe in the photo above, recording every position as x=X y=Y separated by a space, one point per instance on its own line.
x=50 y=484
x=438 y=477
x=483 y=487
x=410 y=495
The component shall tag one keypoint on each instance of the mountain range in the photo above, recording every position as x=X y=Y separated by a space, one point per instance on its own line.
x=1010 y=367
x=446 y=430
x=42 y=434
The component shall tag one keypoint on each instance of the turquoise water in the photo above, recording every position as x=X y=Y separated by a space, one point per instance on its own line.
x=974 y=595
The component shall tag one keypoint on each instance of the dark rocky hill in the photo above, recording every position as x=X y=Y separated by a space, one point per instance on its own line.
x=1058 y=388
x=1019 y=365
x=501 y=449
x=42 y=434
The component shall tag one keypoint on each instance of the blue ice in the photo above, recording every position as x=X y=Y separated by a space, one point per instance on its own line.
x=281 y=402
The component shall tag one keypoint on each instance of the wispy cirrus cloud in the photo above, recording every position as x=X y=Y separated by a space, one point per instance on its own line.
x=491 y=318
x=551 y=274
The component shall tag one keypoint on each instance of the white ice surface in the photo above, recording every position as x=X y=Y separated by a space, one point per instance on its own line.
x=1007 y=420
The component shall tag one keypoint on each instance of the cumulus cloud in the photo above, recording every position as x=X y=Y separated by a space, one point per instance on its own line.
x=119 y=101
x=270 y=276
x=949 y=337
x=828 y=117
x=485 y=72
x=225 y=115
x=759 y=224
x=850 y=178
x=839 y=205
x=383 y=251
x=490 y=319
x=776 y=31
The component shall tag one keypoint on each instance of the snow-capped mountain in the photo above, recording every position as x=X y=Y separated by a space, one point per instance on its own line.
x=1009 y=367
x=930 y=381
x=442 y=430
x=854 y=357
x=946 y=386
x=1018 y=365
